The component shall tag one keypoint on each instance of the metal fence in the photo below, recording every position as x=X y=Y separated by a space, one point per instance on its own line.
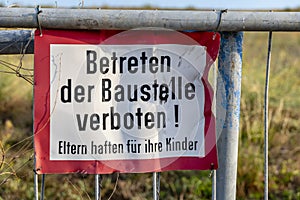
x=230 y=24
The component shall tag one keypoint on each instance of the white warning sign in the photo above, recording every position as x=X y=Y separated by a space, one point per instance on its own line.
x=126 y=102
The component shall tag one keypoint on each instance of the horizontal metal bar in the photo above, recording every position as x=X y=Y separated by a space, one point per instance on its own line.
x=129 y=19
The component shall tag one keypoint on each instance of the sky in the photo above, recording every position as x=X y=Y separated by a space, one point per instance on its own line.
x=200 y=4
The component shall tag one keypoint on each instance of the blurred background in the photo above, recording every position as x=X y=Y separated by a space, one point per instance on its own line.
x=16 y=141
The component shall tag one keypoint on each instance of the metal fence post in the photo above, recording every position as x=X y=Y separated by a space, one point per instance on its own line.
x=97 y=187
x=229 y=77
x=266 y=120
x=36 y=182
x=156 y=185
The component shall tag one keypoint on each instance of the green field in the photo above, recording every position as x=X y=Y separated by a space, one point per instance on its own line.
x=16 y=150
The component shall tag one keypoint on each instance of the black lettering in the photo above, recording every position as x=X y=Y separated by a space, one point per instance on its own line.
x=164 y=92
x=119 y=93
x=155 y=86
x=106 y=93
x=79 y=93
x=168 y=60
x=114 y=118
x=149 y=120
x=81 y=124
x=132 y=93
x=95 y=122
x=122 y=59
x=60 y=146
x=161 y=120
x=145 y=94
x=189 y=91
x=104 y=117
x=104 y=65
x=91 y=65
x=132 y=64
x=143 y=58
x=65 y=92
x=139 y=115
x=128 y=120
x=153 y=65
x=114 y=58
x=90 y=88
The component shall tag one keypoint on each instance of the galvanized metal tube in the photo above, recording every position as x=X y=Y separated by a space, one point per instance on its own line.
x=43 y=186
x=266 y=120
x=97 y=187
x=156 y=185
x=214 y=188
x=36 y=181
x=51 y=18
x=229 y=77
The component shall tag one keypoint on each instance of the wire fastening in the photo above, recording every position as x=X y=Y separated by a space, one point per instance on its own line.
x=37 y=12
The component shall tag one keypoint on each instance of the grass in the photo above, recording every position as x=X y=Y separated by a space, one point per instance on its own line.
x=16 y=176
x=284 y=128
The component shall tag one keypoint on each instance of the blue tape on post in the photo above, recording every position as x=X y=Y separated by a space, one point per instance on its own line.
x=230 y=71
x=228 y=101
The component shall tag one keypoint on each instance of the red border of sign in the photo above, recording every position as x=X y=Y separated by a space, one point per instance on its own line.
x=42 y=105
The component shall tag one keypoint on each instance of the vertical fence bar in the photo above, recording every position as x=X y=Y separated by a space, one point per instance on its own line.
x=229 y=77
x=43 y=186
x=156 y=185
x=36 y=181
x=213 y=195
x=97 y=187
x=214 y=176
x=266 y=121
